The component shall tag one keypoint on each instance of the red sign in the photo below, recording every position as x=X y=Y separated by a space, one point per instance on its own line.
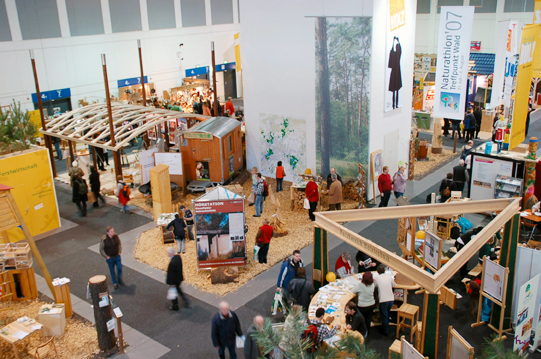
x=430 y=93
x=475 y=45
x=226 y=206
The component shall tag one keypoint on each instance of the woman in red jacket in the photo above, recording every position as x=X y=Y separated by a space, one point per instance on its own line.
x=312 y=193
x=385 y=186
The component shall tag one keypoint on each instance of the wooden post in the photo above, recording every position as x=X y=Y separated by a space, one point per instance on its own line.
x=214 y=79
x=143 y=90
x=166 y=125
x=116 y=155
x=120 y=335
x=72 y=158
x=320 y=264
x=106 y=339
x=94 y=158
x=454 y=143
x=47 y=139
x=431 y=323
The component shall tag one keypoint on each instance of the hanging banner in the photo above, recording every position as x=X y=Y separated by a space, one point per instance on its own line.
x=393 y=73
x=499 y=64
x=511 y=58
x=530 y=34
x=525 y=311
x=236 y=38
x=219 y=228
x=537 y=12
x=453 y=58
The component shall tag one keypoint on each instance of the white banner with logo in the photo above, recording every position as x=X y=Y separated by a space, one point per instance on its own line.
x=453 y=58
x=527 y=300
x=499 y=64
x=511 y=58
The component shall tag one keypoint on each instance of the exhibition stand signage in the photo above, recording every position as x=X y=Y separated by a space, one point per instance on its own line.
x=453 y=57
x=458 y=347
x=219 y=228
x=526 y=306
x=393 y=74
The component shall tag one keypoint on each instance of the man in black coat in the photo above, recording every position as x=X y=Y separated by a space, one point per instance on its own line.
x=95 y=185
x=179 y=230
x=355 y=320
x=370 y=266
x=175 y=277
x=225 y=328
x=329 y=178
x=478 y=114
x=300 y=290
x=459 y=175
x=79 y=194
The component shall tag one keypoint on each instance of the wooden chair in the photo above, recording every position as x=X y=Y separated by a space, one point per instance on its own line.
x=528 y=226
x=45 y=349
x=407 y=311
x=396 y=348
x=129 y=180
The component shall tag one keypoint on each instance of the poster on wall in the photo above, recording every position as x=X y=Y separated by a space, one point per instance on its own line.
x=483 y=177
x=493 y=279
x=146 y=161
x=432 y=250
x=527 y=300
x=342 y=54
x=219 y=227
x=453 y=57
x=202 y=171
x=528 y=51
x=394 y=60
x=428 y=97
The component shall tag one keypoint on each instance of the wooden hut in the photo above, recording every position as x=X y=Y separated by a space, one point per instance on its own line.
x=212 y=150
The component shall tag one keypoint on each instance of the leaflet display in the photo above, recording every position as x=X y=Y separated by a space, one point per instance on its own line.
x=494 y=277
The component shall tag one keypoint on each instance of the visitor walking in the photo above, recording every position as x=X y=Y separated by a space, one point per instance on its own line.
x=385 y=285
x=251 y=348
x=229 y=108
x=80 y=192
x=262 y=239
x=225 y=328
x=300 y=290
x=123 y=193
x=110 y=249
x=179 y=230
x=447 y=186
x=56 y=142
x=366 y=300
x=459 y=175
x=254 y=184
x=280 y=174
x=399 y=182
x=288 y=271
x=259 y=191
x=312 y=194
x=175 y=277
x=95 y=185
x=385 y=187
x=335 y=194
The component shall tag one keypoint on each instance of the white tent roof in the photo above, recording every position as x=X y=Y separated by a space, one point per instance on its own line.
x=218 y=193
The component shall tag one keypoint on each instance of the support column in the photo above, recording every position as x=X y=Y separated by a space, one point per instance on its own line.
x=431 y=323
x=508 y=258
x=320 y=264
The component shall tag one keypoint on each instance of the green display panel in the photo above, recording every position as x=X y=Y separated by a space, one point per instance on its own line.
x=320 y=264
x=430 y=325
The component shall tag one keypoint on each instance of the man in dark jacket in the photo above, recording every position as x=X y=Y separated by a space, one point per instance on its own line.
x=188 y=217
x=300 y=291
x=110 y=249
x=478 y=114
x=355 y=320
x=225 y=328
x=329 y=178
x=459 y=175
x=469 y=125
x=179 y=227
x=95 y=185
x=175 y=277
x=251 y=349
x=80 y=192
x=288 y=271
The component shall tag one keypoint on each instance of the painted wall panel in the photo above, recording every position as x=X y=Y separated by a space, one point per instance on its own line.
x=125 y=15
x=161 y=14
x=85 y=17
x=38 y=19
x=221 y=11
x=193 y=13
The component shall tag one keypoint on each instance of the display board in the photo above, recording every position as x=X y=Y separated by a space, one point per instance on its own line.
x=458 y=347
x=527 y=301
x=173 y=160
x=409 y=352
x=432 y=250
x=483 y=177
x=219 y=228
x=494 y=277
x=146 y=161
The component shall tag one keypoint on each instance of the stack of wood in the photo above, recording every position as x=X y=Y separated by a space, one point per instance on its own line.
x=351 y=191
x=297 y=199
x=276 y=220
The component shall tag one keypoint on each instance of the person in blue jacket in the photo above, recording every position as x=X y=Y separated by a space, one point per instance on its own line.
x=288 y=272
x=225 y=328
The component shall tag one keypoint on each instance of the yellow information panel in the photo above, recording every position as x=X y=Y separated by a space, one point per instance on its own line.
x=35 y=117
x=29 y=173
x=530 y=35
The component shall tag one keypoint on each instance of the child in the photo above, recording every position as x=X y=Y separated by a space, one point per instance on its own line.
x=280 y=174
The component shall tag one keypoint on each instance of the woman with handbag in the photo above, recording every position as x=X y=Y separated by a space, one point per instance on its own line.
x=312 y=195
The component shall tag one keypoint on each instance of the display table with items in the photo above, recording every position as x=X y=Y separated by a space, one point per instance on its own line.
x=17 y=331
x=297 y=191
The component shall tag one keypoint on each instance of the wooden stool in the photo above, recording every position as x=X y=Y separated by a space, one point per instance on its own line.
x=418 y=334
x=407 y=311
x=396 y=347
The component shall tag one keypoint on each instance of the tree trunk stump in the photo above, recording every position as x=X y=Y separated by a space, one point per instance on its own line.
x=106 y=339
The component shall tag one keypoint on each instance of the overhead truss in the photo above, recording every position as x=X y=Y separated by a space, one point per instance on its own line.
x=331 y=222
x=90 y=124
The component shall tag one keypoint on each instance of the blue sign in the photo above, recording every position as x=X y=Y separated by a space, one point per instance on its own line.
x=224 y=67
x=131 y=82
x=52 y=95
x=197 y=71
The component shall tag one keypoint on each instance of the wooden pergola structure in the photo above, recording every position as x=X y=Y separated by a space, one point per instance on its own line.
x=508 y=217
x=90 y=124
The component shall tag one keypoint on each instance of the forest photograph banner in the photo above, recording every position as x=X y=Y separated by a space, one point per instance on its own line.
x=453 y=57
x=393 y=72
x=343 y=50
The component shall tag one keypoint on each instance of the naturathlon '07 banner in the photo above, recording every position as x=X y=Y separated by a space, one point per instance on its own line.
x=219 y=227
x=528 y=51
x=453 y=58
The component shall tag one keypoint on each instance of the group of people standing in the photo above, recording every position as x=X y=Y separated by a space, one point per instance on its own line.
x=466 y=129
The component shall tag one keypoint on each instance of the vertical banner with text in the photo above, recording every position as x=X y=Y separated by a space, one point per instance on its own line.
x=393 y=72
x=511 y=59
x=537 y=12
x=499 y=64
x=453 y=58
x=530 y=34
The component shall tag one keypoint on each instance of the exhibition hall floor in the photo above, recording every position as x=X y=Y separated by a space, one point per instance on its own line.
x=155 y=332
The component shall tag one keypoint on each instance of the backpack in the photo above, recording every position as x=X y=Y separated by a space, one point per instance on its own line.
x=310 y=334
x=447 y=191
x=265 y=189
x=126 y=191
x=83 y=187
